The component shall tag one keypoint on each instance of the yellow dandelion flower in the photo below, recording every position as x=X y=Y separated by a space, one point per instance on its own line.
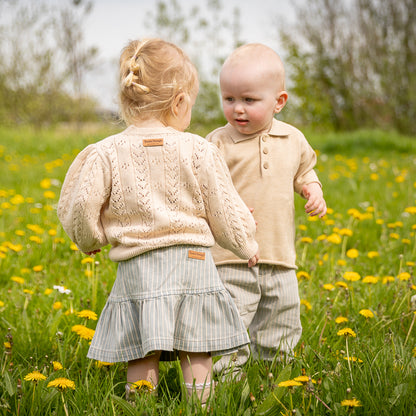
x=36 y=239
x=374 y=176
x=388 y=279
x=306 y=240
x=354 y=359
x=404 y=276
x=306 y=304
x=406 y=241
x=372 y=254
x=410 y=263
x=303 y=275
x=38 y=268
x=49 y=194
x=87 y=314
x=346 y=231
x=62 y=383
x=34 y=376
x=346 y=332
x=304 y=379
x=394 y=236
x=352 y=276
x=302 y=227
x=73 y=247
x=322 y=237
x=87 y=260
x=352 y=253
x=366 y=313
x=45 y=183
x=289 y=383
x=371 y=279
x=35 y=228
x=57 y=305
x=341 y=319
x=142 y=385
x=28 y=291
x=18 y=279
x=100 y=364
x=88 y=273
x=334 y=238
x=342 y=285
x=328 y=286
x=48 y=291
x=17 y=200
x=57 y=365
x=351 y=403
x=83 y=331
x=410 y=210
x=20 y=233
x=1 y=303
x=341 y=262
x=52 y=232
x=7 y=345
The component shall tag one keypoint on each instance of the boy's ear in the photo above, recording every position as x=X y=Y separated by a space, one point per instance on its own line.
x=179 y=100
x=281 y=101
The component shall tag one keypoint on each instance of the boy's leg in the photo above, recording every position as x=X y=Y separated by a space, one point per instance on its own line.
x=242 y=284
x=146 y=368
x=196 y=370
x=277 y=325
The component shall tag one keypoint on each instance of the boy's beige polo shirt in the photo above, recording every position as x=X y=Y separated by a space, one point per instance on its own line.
x=267 y=170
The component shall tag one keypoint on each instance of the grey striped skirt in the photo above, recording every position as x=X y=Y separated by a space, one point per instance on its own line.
x=168 y=299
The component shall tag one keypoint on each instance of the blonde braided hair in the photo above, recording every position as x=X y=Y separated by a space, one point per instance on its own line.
x=152 y=73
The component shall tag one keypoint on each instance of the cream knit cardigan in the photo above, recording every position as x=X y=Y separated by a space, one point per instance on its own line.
x=146 y=188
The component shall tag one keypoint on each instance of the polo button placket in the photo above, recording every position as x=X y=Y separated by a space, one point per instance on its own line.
x=264 y=162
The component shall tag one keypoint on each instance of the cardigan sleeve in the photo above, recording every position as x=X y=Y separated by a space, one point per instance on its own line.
x=84 y=193
x=231 y=222
x=305 y=173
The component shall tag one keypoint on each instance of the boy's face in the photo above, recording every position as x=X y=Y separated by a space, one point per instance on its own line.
x=250 y=97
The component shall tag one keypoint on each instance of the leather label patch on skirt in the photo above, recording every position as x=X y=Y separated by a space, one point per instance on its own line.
x=199 y=255
x=152 y=142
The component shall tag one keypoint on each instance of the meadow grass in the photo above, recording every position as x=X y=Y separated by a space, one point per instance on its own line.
x=356 y=281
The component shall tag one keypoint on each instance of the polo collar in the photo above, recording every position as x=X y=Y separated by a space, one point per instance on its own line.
x=278 y=129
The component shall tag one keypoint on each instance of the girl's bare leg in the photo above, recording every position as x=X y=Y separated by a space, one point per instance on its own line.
x=146 y=368
x=197 y=370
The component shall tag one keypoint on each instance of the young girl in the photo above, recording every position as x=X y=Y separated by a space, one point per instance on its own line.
x=160 y=197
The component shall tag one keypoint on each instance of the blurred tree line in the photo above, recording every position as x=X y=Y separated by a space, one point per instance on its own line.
x=44 y=61
x=350 y=64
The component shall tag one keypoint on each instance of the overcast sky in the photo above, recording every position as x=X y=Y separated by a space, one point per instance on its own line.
x=112 y=24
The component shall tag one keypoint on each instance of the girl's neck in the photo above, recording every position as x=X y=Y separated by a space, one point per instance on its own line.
x=152 y=122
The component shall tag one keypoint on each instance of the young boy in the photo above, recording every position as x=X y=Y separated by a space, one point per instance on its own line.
x=269 y=160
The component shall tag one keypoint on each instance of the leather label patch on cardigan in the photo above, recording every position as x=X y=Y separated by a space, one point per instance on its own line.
x=152 y=142
x=199 y=255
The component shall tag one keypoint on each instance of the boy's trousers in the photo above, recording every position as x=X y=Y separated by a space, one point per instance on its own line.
x=267 y=298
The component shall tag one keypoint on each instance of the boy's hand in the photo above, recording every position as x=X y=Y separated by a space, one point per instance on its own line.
x=253 y=261
x=316 y=203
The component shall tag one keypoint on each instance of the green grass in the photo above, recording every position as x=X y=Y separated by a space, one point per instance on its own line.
x=369 y=179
